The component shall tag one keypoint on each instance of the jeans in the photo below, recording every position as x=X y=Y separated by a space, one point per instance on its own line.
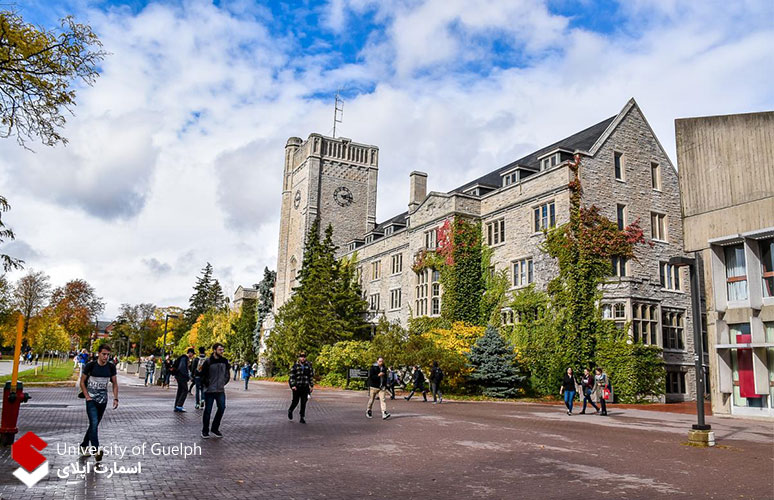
x=422 y=389
x=569 y=396
x=149 y=377
x=199 y=390
x=436 y=390
x=300 y=395
x=94 y=411
x=182 y=391
x=247 y=379
x=382 y=393
x=391 y=388
x=587 y=399
x=211 y=398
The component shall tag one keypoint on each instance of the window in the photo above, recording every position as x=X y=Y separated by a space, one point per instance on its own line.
x=376 y=270
x=669 y=276
x=495 y=232
x=736 y=273
x=510 y=178
x=672 y=328
x=431 y=239
x=621 y=216
x=395 y=299
x=373 y=302
x=767 y=261
x=645 y=323
x=435 y=287
x=675 y=382
x=619 y=266
x=658 y=226
x=389 y=230
x=506 y=317
x=655 y=176
x=550 y=161
x=545 y=216
x=369 y=239
x=359 y=274
x=397 y=263
x=522 y=272
x=615 y=312
x=618 y=160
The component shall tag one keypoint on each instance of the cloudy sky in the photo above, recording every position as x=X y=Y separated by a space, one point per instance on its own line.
x=175 y=155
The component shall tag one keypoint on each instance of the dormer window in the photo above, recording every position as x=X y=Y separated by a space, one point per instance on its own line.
x=511 y=178
x=369 y=239
x=389 y=230
x=550 y=161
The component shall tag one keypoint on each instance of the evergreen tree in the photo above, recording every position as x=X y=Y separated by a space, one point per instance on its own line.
x=240 y=343
x=200 y=300
x=325 y=307
x=216 y=299
x=494 y=365
x=265 y=304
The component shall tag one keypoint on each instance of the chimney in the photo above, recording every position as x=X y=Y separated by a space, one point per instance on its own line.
x=417 y=189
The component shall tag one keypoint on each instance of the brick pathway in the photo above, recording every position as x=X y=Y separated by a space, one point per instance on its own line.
x=454 y=450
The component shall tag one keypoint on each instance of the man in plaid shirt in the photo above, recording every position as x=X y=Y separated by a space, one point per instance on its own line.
x=301 y=382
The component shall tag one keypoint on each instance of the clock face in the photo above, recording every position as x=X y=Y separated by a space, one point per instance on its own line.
x=343 y=196
x=297 y=199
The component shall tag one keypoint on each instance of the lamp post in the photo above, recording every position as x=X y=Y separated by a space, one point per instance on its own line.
x=701 y=426
x=164 y=346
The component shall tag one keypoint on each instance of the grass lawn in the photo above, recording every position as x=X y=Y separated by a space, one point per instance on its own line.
x=55 y=373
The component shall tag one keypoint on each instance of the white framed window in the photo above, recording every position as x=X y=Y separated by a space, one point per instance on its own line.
x=736 y=273
x=389 y=230
x=369 y=239
x=658 y=226
x=359 y=274
x=672 y=326
x=615 y=312
x=420 y=293
x=669 y=276
x=550 y=161
x=619 y=166
x=495 y=232
x=506 y=316
x=645 y=323
x=619 y=266
x=620 y=216
x=523 y=273
x=373 y=302
x=395 y=299
x=655 y=176
x=376 y=269
x=431 y=239
x=435 y=290
x=545 y=216
x=511 y=178
x=397 y=263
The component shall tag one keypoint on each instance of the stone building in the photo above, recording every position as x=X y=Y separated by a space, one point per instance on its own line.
x=242 y=293
x=624 y=171
x=727 y=187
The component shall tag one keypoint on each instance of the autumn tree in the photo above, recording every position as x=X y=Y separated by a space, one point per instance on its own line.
x=6 y=233
x=77 y=307
x=38 y=70
x=30 y=296
x=136 y=323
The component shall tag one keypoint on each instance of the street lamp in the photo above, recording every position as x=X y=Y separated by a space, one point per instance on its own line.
x=164 y=346
x=698 y=354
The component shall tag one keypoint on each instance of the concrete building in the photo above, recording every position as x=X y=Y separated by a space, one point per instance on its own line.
x=624 y=171
x=726 y=166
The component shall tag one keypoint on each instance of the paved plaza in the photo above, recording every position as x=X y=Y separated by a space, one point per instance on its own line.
x=453 y=450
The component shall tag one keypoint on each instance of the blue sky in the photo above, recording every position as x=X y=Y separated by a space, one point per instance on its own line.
x=175 y=152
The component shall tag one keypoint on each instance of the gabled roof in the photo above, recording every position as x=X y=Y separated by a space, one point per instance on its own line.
x=581 y=141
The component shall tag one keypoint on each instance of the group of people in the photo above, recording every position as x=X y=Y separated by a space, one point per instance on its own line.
x=593 y=389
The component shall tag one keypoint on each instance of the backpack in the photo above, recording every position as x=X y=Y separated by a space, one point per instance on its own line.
x=439 y=375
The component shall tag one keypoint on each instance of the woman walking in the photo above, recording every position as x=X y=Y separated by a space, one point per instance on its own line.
x=587 y=382
x=598 y=391
x=568 y=388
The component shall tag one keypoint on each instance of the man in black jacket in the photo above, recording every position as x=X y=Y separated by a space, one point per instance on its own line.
x=215 y=376
x=377 y=386
x=182 y=373
x=436 y=376
x=301 y=381
x=418 y=384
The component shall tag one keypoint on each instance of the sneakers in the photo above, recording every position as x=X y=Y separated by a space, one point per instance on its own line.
x=85 y=453
x=302 y=420
x=583 y=412
x=217 y=434
x=440 y=399
x=290 y=415
x=98 y=456
x=197 y=406
x=205 y=435
x=369 y=414
x=385 y=416
x=179 y=409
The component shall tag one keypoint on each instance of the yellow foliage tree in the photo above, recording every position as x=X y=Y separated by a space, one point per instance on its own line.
x=459 y=338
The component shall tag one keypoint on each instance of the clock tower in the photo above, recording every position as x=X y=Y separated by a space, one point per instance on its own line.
x=333 y=179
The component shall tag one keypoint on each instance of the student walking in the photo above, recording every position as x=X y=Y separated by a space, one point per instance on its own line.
x=418 y=384
x=301 y=382
x=196 y=372
x=598 y=391
x=568 y=388
x=166 y=372
x=150 y=370
x=587 y=382
x=392 y=381
x=182 y=370
x=377 y=386
x=94 y=381
x=247 y=371
x=436 y=376
x=215 y=376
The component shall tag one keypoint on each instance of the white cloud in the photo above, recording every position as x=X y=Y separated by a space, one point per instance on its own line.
x=176 y=153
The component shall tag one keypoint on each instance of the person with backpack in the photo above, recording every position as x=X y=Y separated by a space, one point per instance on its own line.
x=587 y=382
x=598 y=391
x=215 y=375
x=196 y=374
x=182 y=372
x=247 y=371
x=94 y=381
x=418 y=384
x=377 y=386
x=301 y=381
x=436 y=376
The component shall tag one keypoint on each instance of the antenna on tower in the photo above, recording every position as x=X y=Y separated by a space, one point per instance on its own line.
x=338 y=111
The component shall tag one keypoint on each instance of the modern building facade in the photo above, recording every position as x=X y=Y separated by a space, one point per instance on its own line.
x=624 y=170
x=726 y=166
